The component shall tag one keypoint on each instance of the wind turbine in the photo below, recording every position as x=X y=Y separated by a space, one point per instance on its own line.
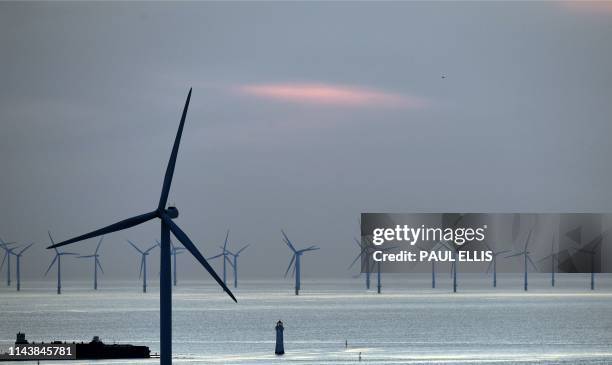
x=174 y=250
x=166 y=215
x=235 y=264
x=378 y=271
x=525 y=253
x=554 y=258
x=7 y=257
x=58 y=259
x=454 y=253
x=493 y=263
x=143 y=264
x=96 y=260
x=225 y=258
x=592 y=252
x=18 y=264
x=297 y=254
x=363 y=250
x=433 y=262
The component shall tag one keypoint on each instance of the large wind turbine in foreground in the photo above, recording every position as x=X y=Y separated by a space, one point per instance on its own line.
x=142 y=272
x=296 y=261
x=165 y=215
x=58 y=259
x=525 y=253
x=18 y=264
x=96 y=263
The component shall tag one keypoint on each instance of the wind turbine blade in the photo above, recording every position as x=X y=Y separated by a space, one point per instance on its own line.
x=516 y=254
x=99 y=265
x=124 y=224
x=229 y=261
x=290 y=263
x=142 y=259
x=172 y=162
x=242 y=249
x=51 y=265
x=214 y=257
x=310 y=249
x=489 y=267
x=293 y=272
x=532 y=264
x=354 y=261
x=181 y=236
x=528 y=238
x=99 y=243
x=3 y=259
x=502 y=252
x=85 y=257
x=23 y=250
x=288 y=242
x=358 y=242
x=151 y=248
x=133 y=245
x=69 y=253
x=225 y=243
x=546 y=257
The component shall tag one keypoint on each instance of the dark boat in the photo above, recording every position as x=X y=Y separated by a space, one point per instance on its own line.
x=96 y=349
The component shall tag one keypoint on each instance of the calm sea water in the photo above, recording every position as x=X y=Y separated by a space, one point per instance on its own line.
x=408 y=324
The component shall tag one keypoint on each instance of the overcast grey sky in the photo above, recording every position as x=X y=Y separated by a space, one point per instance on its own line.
x=303 y=115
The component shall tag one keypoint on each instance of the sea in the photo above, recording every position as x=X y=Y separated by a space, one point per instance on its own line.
x=332 y=321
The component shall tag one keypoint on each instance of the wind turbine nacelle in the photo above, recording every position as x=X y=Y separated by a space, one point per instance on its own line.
x=172 y=212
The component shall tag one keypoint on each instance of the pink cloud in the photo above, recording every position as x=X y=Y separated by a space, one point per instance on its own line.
x=598 y=7
x=333 y=95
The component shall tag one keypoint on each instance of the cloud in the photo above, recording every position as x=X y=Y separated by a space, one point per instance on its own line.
x=331 y=95
x=598 y=7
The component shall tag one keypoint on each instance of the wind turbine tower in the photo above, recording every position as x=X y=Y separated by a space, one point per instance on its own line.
x=58 y=259
x=296 y=261
x=166 y=216
x=96 y=263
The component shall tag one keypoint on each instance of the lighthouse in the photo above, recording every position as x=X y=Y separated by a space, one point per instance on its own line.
x=280 y=348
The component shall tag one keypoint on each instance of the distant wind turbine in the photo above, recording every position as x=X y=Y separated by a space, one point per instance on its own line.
x=525 y=253
x=166 y=215
x=174 y=250
x=433 y=262
x=296 y=261
x=493 y=263
x=378 y=270
x=363 y=252
x=223 y=254
x=96 y=263
x=554 y=259
x=235 y=264
x=454 y=249
x=7 y=257
x=592 y=251
x=58 y=259
x=142 y=273
x=18 y=264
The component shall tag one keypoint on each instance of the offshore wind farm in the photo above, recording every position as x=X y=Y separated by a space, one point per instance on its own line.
x=181 y=182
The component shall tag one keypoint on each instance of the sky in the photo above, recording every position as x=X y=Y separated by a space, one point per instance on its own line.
x=303 y=115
